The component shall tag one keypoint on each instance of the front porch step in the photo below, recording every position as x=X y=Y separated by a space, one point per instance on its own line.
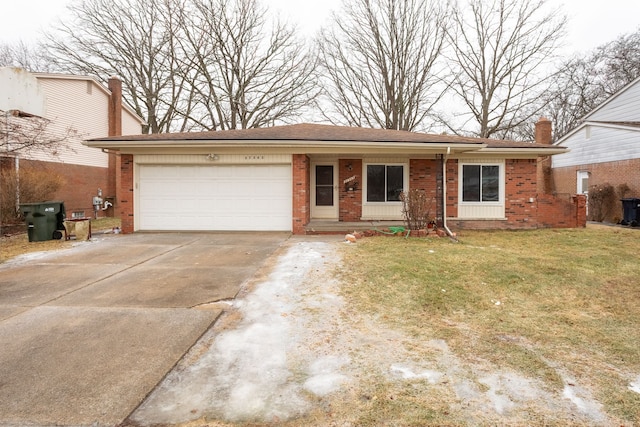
x=337 y=227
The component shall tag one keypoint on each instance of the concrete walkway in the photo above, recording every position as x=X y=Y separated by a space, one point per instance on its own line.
x=87 y=333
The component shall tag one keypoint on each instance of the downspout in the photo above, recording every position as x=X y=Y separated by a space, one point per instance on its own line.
x=444 y=196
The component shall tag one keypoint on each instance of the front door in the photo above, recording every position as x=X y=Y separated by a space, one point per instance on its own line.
x=324 y=191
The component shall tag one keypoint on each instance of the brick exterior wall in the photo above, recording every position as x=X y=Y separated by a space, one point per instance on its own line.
x=350 y=201
x=301 y=170
x=562 y=212
x=614 y=173
x=525 y=208
x=543 y=135
x=125 y=204
x=521 y=189
x=80 y=184
x=423 y=174
x=452 y=188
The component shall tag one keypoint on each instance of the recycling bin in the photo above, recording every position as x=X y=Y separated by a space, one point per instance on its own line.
x=45 y=220
x=631 y=212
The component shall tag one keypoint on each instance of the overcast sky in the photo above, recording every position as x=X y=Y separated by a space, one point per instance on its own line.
x=591 y=24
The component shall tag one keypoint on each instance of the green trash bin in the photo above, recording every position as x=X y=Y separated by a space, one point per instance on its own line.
x=45 y=220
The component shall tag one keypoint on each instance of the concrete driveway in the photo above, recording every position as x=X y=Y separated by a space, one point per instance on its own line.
x=87 y=333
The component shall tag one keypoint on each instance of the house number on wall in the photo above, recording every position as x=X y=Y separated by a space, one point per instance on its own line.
x=254 y=157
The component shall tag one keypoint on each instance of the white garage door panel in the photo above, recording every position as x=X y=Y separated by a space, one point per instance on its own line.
x=238 y=197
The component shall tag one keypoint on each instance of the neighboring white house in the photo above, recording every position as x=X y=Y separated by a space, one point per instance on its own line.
x=604 y=148
x=91 y=110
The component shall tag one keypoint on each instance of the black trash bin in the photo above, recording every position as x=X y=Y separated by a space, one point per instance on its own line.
x=45 y=220
x=631 y=212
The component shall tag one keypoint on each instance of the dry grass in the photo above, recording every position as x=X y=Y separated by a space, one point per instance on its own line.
x=18 y=244
x=552 y=305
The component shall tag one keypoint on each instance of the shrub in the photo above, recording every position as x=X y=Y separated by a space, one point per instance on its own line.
x=604 y=202
x=36 y=185
x=416 y=209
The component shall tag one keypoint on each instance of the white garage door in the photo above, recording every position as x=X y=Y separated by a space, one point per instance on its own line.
x=222 y=197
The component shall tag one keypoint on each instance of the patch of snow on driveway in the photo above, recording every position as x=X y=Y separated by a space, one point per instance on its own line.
x=247 y=373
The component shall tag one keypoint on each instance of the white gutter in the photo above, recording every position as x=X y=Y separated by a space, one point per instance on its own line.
x=444 y=195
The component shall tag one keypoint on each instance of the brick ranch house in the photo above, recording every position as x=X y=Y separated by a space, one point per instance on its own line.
x=80 y=103
x=301 y=177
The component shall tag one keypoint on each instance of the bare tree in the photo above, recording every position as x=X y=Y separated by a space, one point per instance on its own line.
x=498 y=50
x=249 y=73
x=583 y=82
x=619 y=62
x=27 y=56
x=21 y=136
x=24 y=134
x=190 y=64
x=381 y=62
x=133 y=39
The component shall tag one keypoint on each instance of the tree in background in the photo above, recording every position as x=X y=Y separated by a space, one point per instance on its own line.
x=382 y=63
x=21 y=136
x=498 y=51
x=132 y=39
x=23 y=55
x=248 y=73
x=585 y=81
x=189 y=64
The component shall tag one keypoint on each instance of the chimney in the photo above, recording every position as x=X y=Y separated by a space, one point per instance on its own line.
x=543 y=131
x=544 y=173
x=115 y=107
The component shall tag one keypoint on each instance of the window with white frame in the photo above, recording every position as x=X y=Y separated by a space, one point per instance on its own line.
x=385 y=182
x=481 y=183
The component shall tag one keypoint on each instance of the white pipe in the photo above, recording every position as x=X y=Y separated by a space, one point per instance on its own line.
x=444 y=195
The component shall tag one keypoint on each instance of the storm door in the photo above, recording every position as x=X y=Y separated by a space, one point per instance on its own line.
x=324 y=191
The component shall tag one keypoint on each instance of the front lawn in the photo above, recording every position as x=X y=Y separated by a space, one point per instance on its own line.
x=557 y=306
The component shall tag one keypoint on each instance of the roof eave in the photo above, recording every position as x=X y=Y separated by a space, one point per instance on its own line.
x=307 y=146
x=520 y=151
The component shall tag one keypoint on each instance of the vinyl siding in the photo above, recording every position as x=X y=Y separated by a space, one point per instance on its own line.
x=605 y=144
x=625 y=106
x=83 y=106
x=130 y=124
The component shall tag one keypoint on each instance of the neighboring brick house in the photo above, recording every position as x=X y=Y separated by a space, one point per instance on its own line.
x=603 y=149
x=91 y=110
x=306 y=177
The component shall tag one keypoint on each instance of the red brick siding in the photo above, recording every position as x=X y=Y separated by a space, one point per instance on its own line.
x=545 y=175
x=423 y=175
x=561 y=212
x=520 y=193
x=350 y=201
x=546 y=211
x=126 y=193
x=301 y=171
x=81 y=183
x=452 y=188
x=614 y=173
